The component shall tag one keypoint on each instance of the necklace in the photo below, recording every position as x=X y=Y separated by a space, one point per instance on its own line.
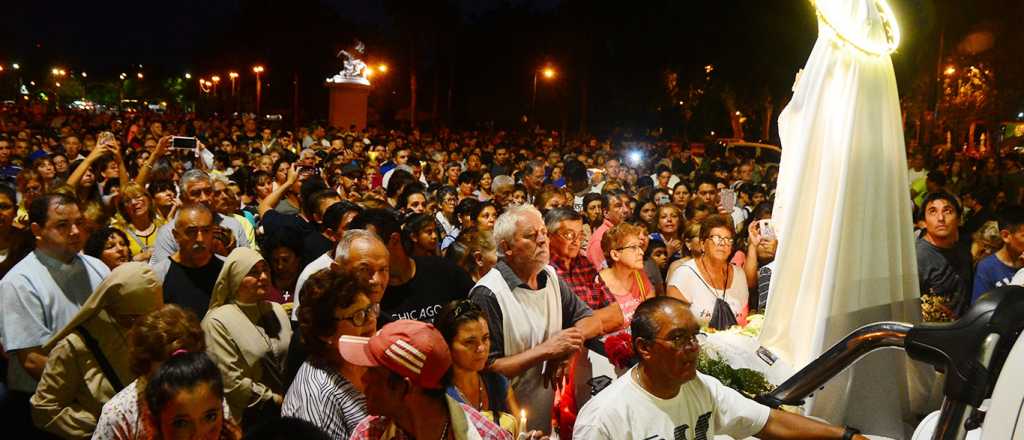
x=480 y=390
x=725 y=277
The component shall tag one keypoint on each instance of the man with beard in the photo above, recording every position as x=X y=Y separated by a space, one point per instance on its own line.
x=189 y=275
x=665 y=397
x=41 y=294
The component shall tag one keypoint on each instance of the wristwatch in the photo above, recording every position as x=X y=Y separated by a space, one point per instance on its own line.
x=849 y=432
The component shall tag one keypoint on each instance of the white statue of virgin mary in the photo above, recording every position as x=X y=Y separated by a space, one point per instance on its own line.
x=843 y=216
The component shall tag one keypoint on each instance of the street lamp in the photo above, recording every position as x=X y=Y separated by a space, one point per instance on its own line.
x=188 y=75
x=549 y=73
x=233 y=76
x=16 y=66
x=258 y=69
x=139 y=75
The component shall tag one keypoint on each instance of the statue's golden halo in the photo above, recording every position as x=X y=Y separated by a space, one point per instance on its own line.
x=889 y=24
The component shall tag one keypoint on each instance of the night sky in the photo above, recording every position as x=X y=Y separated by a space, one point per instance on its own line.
x=612 y=57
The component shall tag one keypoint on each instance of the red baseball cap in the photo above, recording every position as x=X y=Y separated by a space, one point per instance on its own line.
x=412 y=349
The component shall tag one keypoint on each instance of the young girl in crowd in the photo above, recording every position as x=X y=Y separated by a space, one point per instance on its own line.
x=185 y=399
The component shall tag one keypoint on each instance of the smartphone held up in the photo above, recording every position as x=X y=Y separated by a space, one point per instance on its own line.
x=184 y=142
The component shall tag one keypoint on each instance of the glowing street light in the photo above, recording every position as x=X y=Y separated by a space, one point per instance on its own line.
x=258 y=69
x=123 y=76
x=16 y=66
x=549 y=73
x=188 y=75
x=233 y=76
x=139 y=75
x=215 y=78
x=85 y=75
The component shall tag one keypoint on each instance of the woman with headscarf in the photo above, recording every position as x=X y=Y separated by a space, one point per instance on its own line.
x=87 y=363
x=248 y=337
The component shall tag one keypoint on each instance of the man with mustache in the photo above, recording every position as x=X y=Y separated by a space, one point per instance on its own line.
x=665 y=397
x=189 y=274
x=196 y=187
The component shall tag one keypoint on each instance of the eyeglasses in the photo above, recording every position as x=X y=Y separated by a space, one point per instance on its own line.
x=684 y=340
x=721 y=241
x=570 y=235
x=361 y=316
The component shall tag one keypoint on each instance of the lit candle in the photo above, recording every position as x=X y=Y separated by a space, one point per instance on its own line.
x=522 y=421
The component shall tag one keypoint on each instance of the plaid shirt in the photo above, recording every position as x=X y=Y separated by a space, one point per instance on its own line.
x=581 y=275
x=374 y=427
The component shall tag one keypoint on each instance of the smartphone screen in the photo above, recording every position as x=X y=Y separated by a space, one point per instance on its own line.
x=767 y=231
x=182 y=142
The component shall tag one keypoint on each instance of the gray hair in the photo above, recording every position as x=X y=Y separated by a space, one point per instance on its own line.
x=500 y=181
x=193 y=175
x=558 y=215
x=507 y=223
x=350 y=236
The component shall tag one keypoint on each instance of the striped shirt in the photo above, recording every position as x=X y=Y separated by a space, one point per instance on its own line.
x=322 y=396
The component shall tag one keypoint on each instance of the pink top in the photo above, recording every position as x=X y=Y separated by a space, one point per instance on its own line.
x=640 y=289
x=594 y=251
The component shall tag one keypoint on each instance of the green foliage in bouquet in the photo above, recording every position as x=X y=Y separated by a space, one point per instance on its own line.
x=749 y=382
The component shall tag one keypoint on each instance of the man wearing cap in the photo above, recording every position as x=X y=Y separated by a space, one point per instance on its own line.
x=404 y=394
x=535 y=319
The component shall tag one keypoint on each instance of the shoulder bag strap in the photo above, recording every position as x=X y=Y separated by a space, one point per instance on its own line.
x=706 y=285
x=94 y=348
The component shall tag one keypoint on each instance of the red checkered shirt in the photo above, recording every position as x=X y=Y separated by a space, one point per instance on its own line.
x=581 y=275
x=373 y=427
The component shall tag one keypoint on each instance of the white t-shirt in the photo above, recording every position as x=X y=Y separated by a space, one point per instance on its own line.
x=322 y=262
x=696 y=290
x=702 y=409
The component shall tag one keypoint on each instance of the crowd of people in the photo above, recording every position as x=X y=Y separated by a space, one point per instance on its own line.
x=392 y=284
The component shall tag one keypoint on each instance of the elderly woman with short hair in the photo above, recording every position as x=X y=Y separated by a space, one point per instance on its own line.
x=715 y=290
x=327 y=391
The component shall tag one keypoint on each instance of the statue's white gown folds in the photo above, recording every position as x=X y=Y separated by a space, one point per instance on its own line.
x=843 y=216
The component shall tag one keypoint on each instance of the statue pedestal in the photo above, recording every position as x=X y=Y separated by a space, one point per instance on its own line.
x=348 y=105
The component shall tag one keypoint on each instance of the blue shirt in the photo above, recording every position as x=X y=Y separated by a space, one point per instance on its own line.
x=991 y=273
x=38 y=297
